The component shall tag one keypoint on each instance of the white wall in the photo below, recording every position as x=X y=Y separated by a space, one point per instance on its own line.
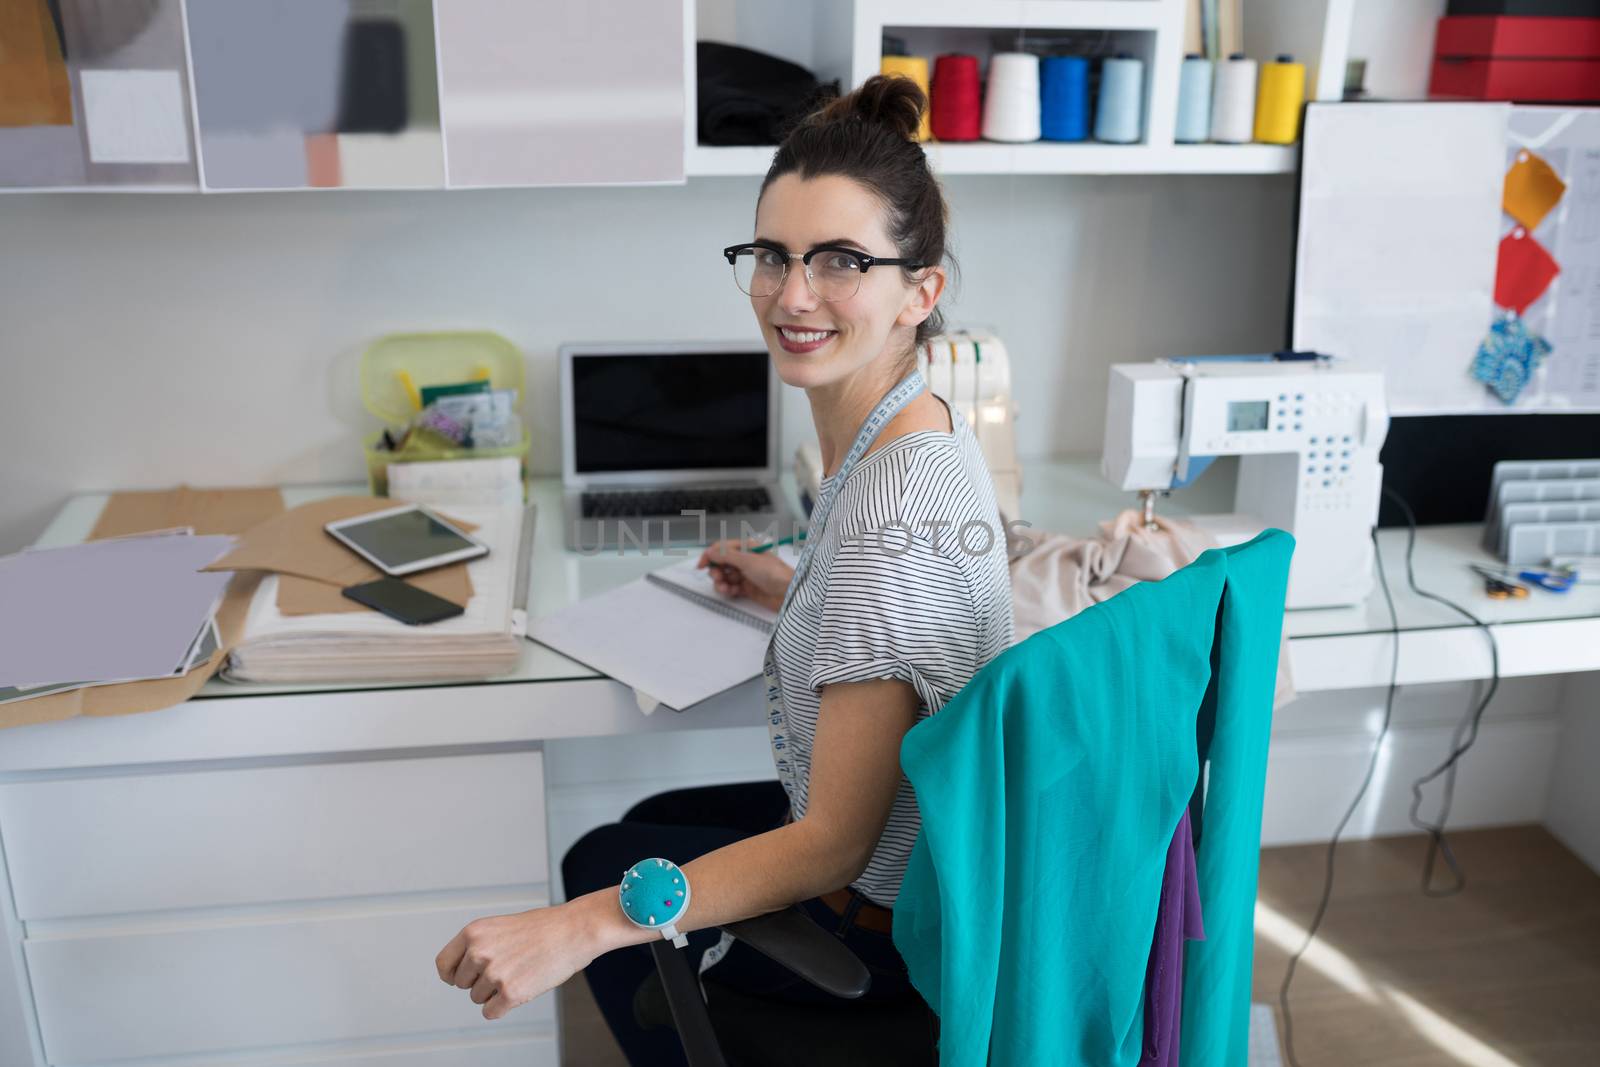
x=148 y=340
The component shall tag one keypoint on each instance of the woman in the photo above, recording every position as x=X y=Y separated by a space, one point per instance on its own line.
x=902 y=595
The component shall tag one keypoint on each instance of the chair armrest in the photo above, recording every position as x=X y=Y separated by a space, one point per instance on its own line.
x=788 y=938
x=689 y=1014
x=791 y=939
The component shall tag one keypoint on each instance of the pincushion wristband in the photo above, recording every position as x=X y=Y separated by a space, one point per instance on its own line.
x=654 y=895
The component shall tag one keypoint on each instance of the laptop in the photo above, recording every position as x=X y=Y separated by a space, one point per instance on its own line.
x=650 y=431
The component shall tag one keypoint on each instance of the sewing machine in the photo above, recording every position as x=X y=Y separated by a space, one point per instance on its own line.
x=971 y=372
x=1307 y=430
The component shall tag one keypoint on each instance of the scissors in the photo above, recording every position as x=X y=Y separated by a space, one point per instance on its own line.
x=1553 y=579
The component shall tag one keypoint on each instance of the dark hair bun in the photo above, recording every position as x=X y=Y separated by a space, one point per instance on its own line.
x=870 y=136
x=889 y=99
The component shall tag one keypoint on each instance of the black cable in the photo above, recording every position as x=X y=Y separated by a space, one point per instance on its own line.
x=1372 y=767
x=1437 y=844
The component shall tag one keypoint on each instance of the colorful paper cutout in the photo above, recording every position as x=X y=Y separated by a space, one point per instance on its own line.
x=1524 y=271
x=1532 y=188
x=1508 y=357
x=34 y=90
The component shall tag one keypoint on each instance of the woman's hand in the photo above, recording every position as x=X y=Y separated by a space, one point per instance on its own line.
x=507 y=960
x=735 y=572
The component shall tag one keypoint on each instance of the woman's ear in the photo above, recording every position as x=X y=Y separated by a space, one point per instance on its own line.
x=922 y=298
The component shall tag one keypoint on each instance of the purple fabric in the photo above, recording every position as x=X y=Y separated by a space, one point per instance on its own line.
x=1177 y=921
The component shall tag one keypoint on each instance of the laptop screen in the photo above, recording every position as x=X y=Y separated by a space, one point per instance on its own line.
x=672 y=411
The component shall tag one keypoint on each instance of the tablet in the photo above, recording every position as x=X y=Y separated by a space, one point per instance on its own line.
x=405 y=540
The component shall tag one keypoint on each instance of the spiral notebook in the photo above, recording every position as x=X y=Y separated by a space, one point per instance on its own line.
x=695 y=585
x=670 y=635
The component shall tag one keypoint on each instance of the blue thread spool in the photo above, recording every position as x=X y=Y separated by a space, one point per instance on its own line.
x=1064 y=98
x=1194 y=100
x=1119 y=117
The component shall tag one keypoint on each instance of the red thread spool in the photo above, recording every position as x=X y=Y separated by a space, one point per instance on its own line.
x=957 y=107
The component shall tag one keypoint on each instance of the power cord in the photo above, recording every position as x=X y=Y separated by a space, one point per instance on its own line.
x=1437 y=844
x=1366 y=780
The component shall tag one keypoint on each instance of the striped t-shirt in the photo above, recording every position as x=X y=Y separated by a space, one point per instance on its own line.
x=909 y=580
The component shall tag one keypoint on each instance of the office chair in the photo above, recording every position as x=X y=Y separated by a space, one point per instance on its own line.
x=1227 y=665
x=734 y=1029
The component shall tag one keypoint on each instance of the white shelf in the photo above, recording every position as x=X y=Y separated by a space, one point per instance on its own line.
x=985 y=157
x=1038 y=14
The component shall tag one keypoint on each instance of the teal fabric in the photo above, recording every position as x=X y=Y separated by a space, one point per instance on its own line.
x=1216 y=974
x=1049 y=789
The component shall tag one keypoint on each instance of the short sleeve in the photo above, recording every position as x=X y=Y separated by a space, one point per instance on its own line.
x=897 y=611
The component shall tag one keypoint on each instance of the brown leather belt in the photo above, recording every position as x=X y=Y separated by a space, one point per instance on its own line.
x=869 y=916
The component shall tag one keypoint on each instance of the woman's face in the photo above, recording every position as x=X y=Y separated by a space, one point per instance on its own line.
x=816 y=342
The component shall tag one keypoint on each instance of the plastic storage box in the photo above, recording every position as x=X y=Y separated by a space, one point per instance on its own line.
x=433 y=359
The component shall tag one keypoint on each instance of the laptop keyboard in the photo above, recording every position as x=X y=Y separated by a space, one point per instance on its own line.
x=641 y=503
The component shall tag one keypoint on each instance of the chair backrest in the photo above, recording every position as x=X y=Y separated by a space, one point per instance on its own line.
x=1050 y=789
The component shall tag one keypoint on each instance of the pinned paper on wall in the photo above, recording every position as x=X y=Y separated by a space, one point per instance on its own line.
x=1532 y=188
x=1523 y=271
x=134 y=116
x=1508 y=357
x=116 y=102
x=334 y=93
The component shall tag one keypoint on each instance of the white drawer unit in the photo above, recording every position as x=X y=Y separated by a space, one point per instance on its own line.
x=157 y=989
x=116 y=844
x=532 y=1050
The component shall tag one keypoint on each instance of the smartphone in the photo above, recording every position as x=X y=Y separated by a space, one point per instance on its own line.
x=403 y=601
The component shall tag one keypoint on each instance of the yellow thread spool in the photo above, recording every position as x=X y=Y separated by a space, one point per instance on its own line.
x=915 y=68
x=1279 y=96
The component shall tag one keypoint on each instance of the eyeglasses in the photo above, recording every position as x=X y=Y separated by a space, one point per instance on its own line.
x=832 y=272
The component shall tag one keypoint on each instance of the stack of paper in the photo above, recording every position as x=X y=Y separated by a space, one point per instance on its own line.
x=107 y=611
x=670 y=635
x=366 y=646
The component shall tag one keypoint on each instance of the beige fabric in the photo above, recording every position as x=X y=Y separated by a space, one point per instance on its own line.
x=1055 y=576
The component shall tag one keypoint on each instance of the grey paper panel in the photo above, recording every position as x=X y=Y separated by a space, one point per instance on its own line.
x=255 y=161
x=37 y=156
x=265 y=67
x=270 y=74
x=107 y=609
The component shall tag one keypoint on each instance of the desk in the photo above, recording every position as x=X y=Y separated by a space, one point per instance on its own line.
x=235 y=834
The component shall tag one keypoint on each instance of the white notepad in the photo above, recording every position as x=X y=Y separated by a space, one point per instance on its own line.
x=670 y=635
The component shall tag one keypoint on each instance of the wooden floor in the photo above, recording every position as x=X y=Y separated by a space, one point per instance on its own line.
x=1506 y=974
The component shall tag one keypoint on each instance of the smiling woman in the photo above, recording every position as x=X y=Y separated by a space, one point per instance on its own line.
x=900 y=595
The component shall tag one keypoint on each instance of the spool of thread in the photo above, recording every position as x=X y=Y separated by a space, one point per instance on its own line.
x=1011 y=104
x=915 y=68
x=1194 y=101
x=957 y=113
x=1278 y=101
x=1064 y=98
x=1233 y=100
x=1118 y=119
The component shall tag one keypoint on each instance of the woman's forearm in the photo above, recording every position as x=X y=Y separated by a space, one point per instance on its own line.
x=757 y=875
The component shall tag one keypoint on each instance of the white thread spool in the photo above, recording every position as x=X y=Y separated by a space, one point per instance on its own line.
x=1011 y=103
x=1233 y=101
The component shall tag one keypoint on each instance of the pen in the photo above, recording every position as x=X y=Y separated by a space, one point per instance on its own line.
x=765 y=547
x=775 y=544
